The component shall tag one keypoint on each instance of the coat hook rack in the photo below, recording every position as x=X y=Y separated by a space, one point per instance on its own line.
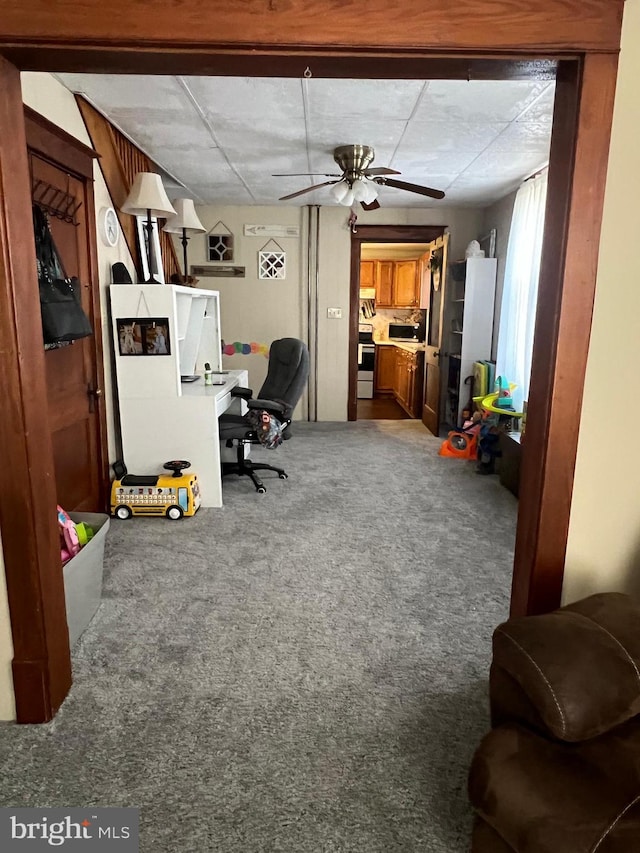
x=56 y=202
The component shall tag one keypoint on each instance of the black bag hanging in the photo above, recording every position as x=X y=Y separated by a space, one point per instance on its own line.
x=63 y=318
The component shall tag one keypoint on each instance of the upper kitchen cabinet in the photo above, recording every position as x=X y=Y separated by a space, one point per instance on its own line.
x=396 y=283
x=367 y=274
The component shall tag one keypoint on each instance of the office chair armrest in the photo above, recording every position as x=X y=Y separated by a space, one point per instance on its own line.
x=239 y=391
x=272 y=406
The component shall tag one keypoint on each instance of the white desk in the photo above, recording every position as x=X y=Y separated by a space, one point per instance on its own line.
x=185 y=427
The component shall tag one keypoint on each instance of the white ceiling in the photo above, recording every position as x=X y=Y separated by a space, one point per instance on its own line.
x=222 y=138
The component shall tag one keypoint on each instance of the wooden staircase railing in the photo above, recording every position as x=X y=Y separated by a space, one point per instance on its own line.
x=120 y=161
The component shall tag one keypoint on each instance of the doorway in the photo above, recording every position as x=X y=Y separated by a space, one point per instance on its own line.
x=587 y=52
x=74 y=372
x=391 y=330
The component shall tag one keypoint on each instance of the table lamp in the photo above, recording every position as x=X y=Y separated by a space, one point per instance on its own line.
x=184 y=222
x=148 y=198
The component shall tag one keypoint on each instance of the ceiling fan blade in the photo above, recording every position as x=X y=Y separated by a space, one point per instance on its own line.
x=308 y=175
x=373 y=205
x=380 y=170
x=306 y=190
x=412 y=188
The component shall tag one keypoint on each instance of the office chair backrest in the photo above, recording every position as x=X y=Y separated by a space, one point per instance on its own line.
x=288 y=372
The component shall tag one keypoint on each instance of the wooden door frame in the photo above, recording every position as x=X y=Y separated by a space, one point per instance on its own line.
x=374 y=234
x=59 y=148
x=469 y=40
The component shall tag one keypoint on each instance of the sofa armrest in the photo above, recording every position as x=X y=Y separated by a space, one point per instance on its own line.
x=578 y=666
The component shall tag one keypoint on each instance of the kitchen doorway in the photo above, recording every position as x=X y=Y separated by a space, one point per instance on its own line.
x=386 y=288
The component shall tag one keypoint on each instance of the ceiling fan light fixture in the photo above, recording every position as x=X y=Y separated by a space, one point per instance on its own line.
x=339 y=191
x=371 y=194
x=359 y=188
x=348 y=198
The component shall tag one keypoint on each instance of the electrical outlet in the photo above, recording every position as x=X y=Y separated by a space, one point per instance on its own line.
x=334 y=313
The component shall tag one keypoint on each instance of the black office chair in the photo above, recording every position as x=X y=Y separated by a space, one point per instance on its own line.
x=287 y=375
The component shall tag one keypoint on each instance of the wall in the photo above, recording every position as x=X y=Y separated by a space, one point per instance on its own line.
x=334 y=275
x=7 y=701
x=499 y=216
x=603 y=551
x=253 y=310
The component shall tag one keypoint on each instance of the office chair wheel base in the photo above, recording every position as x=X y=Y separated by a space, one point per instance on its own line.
x=261 y=490
x=283 y=476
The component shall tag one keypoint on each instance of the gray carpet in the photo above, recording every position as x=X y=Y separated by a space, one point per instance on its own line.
x=301 y=672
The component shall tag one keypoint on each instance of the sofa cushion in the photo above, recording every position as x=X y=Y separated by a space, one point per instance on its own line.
x=579 y=666
x=545 y=796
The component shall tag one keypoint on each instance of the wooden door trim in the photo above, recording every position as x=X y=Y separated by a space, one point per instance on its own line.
x=59 y=148
x=41 y=664
x=121 y=27
x=54 y=144
x=374 y=234
x=585 y=34
x=577 y=176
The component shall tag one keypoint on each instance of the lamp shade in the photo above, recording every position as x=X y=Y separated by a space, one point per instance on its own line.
x=185 y=218
x=147 y=194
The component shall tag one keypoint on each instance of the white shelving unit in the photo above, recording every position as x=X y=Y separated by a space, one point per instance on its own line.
x=162 y=417
x=468 y=330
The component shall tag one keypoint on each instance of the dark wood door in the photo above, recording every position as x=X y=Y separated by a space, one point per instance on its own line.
x=433 y=342
x=72 y=375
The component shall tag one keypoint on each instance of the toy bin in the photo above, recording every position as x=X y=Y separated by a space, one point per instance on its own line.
x=83 y=575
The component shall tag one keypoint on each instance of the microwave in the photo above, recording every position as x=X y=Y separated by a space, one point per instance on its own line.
x=406 y=332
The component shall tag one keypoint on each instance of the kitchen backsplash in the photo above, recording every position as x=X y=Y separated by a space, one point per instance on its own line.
x=383 y=316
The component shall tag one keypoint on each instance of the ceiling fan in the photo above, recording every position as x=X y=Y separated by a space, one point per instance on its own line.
x=358 y=181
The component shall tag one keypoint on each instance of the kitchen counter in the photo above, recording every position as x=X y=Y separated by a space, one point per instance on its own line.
x=405 y=345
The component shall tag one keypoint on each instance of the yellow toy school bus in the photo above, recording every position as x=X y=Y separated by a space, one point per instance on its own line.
x=172 y=496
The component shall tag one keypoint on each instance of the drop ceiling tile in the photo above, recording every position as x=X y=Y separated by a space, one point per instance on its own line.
x=523 y=137
x=393 y=99
x=256 y=100
x=430 y=162
x=505 y=167
x=477 y=100
x=155 y=130
x=542 y=109
x=111 y=91
x=450 y=137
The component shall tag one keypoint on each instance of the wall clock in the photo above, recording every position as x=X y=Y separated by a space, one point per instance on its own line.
x=109 y=226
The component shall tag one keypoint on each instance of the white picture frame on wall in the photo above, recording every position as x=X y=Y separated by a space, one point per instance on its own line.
x=157 y=274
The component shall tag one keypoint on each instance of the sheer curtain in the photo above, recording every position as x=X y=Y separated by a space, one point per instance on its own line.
x=520 y=293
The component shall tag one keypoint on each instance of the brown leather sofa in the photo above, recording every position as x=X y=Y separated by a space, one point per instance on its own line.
x=560 y=770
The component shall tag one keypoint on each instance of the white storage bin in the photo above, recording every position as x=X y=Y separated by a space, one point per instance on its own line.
x=83 y=575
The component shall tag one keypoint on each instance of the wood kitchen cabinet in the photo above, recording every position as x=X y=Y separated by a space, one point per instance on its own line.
x=397 y=283
x=384 y=374
x=406 y=287
x=399 y=373
x=367 y=274
x=409 y=381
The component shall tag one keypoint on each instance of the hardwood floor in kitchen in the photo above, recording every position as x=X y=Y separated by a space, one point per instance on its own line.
x=381 y=409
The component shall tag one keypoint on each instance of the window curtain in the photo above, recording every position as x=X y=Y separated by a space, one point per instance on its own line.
x=520 y=293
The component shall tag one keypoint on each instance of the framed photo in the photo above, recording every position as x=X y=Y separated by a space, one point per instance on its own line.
x=143 y=336
x=157 y=274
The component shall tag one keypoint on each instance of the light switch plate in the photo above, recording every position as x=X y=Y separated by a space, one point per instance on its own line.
x=334 y=313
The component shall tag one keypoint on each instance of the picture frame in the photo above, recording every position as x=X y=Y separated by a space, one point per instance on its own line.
x=143 y=336
x=157 y=274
